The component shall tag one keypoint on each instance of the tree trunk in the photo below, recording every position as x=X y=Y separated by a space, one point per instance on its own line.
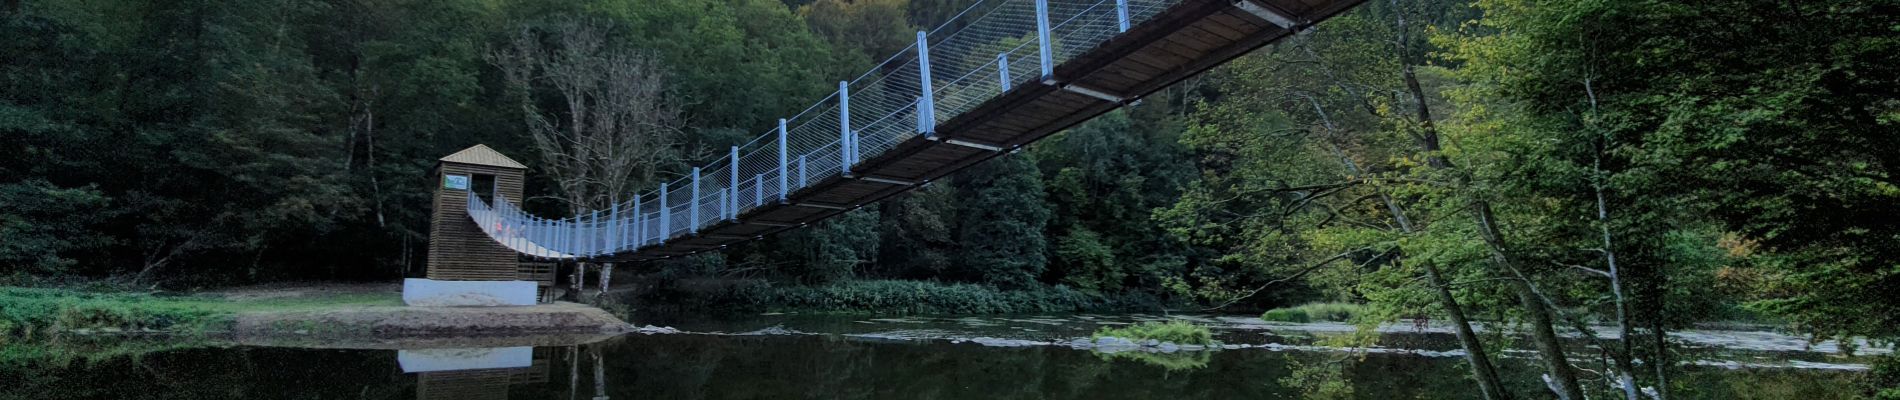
x=1660 y=360
x=600 y=372
x=1549 y=345
x=606 y=276
x=579 y=281
x=1625 y=367
x=1481 y=368
x=1563 y=378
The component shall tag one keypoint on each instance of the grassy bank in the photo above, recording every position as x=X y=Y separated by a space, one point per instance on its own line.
x=890 y=297
x=29 y=312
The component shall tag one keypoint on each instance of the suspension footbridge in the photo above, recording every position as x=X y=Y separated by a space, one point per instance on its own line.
x=998 y=76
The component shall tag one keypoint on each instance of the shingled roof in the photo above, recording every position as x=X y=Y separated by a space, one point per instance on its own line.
x=482 y=155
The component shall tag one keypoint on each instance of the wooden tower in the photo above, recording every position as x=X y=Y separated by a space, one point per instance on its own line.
x=458 y=250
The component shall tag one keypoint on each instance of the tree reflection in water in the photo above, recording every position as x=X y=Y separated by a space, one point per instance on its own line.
x=822 y=367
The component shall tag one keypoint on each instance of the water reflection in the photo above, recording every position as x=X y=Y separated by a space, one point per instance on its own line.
x=815 y=366
x=481 y=373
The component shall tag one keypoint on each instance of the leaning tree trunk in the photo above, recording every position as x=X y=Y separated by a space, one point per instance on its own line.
x=1563 y=378
x=1550 y=347
x=1481 y=368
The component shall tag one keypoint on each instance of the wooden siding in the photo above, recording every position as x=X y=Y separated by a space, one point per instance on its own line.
x=458 y=249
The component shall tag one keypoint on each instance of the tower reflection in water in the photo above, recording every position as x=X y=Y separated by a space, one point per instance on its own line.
x=490 y=373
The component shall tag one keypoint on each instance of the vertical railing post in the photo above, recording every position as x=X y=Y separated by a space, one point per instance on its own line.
x=782 y=190
x=613 y=235
x=639 y=224
x=1042 y=39
x=758 y=190
x=1121 y=13
x=666 y=215
x=1002 y=69
x=693 y=205
x=847 y=146
x=801 y=170
x=593 y=233
x=927 y=104
x=732 y=185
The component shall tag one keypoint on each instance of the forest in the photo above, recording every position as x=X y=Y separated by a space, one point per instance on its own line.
x=1649 y=165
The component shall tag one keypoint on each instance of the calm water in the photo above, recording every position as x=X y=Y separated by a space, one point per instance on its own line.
x=797 y=357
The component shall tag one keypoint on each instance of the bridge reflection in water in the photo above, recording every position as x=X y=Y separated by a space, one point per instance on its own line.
x=490 y=373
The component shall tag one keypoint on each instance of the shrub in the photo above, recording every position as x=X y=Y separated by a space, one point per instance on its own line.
x=1178 y=332
x=1337 y=312
x=1883 y=380
x=34 y=309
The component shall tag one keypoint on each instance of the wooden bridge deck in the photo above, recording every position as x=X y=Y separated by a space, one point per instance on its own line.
x=1186 y=39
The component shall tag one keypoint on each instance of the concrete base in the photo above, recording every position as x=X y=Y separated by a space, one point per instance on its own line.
x=434 y=293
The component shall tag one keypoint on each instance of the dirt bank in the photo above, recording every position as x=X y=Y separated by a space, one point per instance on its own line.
x=375 y=310
x=402 y=321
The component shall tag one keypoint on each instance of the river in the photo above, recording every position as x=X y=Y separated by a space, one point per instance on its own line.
x=780 y=356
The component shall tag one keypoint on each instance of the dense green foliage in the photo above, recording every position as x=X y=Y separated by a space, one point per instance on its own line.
x=1176 y=331
x=1644 y=165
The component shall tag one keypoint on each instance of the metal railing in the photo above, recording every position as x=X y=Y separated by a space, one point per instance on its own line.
x=984 y=51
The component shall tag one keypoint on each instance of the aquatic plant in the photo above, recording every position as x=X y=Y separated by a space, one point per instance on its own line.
x=1337 y=312
x=1176 y=331
x=1172 y=362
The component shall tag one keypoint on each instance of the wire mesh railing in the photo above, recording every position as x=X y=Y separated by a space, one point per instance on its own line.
x=984 y=51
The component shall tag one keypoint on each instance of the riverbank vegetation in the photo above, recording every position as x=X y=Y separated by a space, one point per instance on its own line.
x=1546 y=165
x=893 y=297
x=33 y=312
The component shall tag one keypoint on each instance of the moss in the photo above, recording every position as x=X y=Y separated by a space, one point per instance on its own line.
x=1336 y=312
x=1178 y=332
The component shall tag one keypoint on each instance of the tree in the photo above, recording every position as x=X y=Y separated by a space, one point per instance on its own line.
x=616 y=130
x=1004 y=215
x=867 y=30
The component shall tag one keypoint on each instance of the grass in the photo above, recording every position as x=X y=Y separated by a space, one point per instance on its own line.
x=1177 y=332
x=1336 y=312
x=25 y=312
